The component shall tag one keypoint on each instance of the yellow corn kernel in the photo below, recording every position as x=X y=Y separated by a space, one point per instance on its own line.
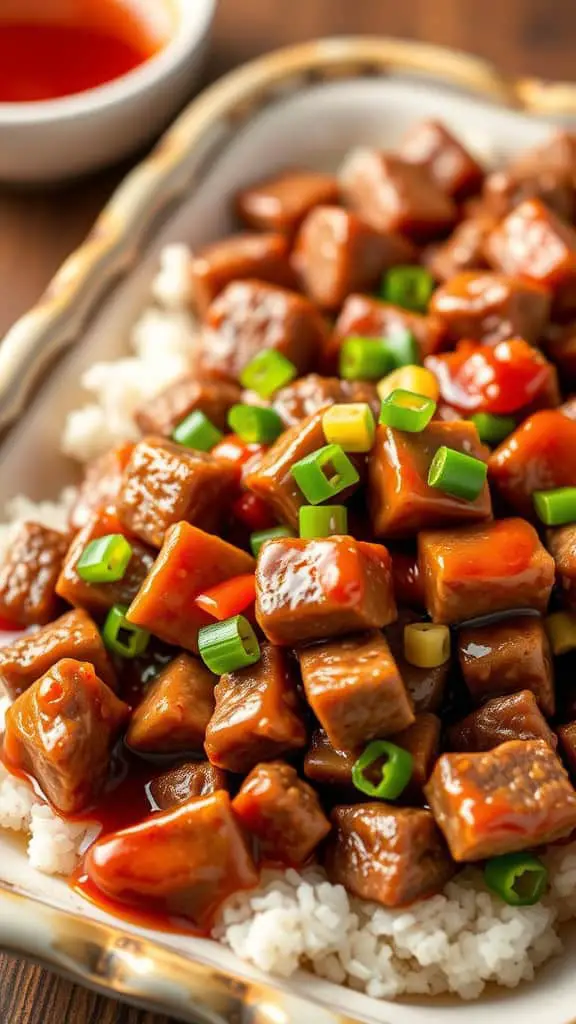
x=426 y=644
x=561 y=630
x=351 y=426
x=410 y=378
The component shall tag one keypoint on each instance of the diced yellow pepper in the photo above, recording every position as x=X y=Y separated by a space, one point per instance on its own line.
x=351 y=426
x=561 y=630
x=426 y=645
x=410 y=378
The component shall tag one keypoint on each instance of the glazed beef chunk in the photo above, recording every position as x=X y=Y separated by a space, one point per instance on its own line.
x=325 y=764
x=538 y=456
x=162 y=414
x=180 y=784
x=392 y=855
x=545 y=172
x=513 y=717
x=422 y=741
x=282 y=202
x=365 y=317
x=489 y=307
x=62 y=730
x=307 y=395
x=511 y=798
x=282 y=811
x=264 y=257
x=28 y=575
x=101 y=484
x=431 y=145
x=462 y=251
x=176 y=709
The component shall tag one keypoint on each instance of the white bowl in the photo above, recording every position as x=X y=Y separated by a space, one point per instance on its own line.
x=57 y=139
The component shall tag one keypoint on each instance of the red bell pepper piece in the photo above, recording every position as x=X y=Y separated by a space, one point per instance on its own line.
x=253 y=512
x=228 y=598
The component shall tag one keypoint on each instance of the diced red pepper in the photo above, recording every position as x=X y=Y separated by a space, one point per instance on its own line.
x=6 y=626
x=229 y=598
x=253 y=512
x=497 y=380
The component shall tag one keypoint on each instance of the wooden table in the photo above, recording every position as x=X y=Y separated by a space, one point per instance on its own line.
x=38 y=230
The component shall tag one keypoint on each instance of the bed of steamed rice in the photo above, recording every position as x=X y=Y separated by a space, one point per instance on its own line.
x=454 y=942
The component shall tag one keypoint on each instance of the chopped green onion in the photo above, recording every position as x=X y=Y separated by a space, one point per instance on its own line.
x=260 y=537
x=405 y=410
x=324 y=473
x=105 y=560
x=409 y=287
x=255 y=424
x=493 y=429
x=556 y=507
x=457 y=474
x=402 y=346
x=267 y=372
x=121 y=636
x=197 y=431
x=364 y=359
x=323 y=520
x=520 y=879
x=229 y=645
x=396 y=770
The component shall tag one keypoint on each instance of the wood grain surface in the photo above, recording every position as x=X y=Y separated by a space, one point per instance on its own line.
x=38 y=229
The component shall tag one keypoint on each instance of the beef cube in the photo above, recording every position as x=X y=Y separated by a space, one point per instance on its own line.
x=533 y=242
x=282 y=202
x=366 y=317
x=561 y=543
x=258 y=716
x=355 y=689
x=392 y=855
x=393 y=195
x=183 y=862
x=162 y=414
x=271 y=478
x=308 y=394
x=249 y=316
x=507 y=656
x=464 y=250
x=422 y=741
x=400 y=500
x=97 y=598
x=567 y=737
x=430 y=145
x=28 y=574
x=313 y=589
x=282 y=811
x=325 y=764
x=264 y=257
x=486 y=568
x=101 y=484
x=487 y=307
x=513 y=717
x=426 y=686
x=62 y=730
x=190 y=562
x=165 y=483
x=539 y=455
x=74 y=635
x=174 y=714
x=178 y=785
x=336 y=253
x=545 y=172
x=514 y=797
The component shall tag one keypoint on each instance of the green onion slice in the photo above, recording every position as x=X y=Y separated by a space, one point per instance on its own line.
x=556 y=507
x=105 y=559
x=324 y=473
x=259 y=537
x=409 y=287
x=396 y=771
x=121 y=636
x=520 y=879
x=493 y=429
x=197 y=431
x=403 y=347
x=268 y=371
x=255 y=424
x=229 y=645
x=323 y=520
x=364 y=359
x=457 y=474
x=405 y=410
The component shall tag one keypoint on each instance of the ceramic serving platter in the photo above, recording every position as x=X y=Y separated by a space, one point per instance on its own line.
x=307 y=105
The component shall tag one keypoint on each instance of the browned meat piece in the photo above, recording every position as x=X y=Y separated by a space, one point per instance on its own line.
x=426 y=686
x=487 y=307
x=336 y=253
x=308 y=394
x=486 y=568
x=401 y=502
x=62 y=730
x=164 y=484
x=507 y=656
x=98 y=597
x=271 y=478
x=73 y=635
x=422 y=741
x=160 y=415
x=249 y=316
x=561 y=543
x=393 y=195
x=392 y=855
x=326 y=765
x=184 y=862
x=257 y=716
x=174 y=714
x=28 y=574
x=368 y=318
x=430 y=145
x=177 y=786
x=538 y=456
x=545 y=172
x=282 y=811
x=281 y=203
x=464 y=250
x=513 y=717
x=258 y=256
x=567 y=737
x=534 y=243
x=314 y=589
x=101 y=484
x=511 y=798
x=355 y=689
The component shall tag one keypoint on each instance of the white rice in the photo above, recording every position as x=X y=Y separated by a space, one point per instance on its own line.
x=454 y=942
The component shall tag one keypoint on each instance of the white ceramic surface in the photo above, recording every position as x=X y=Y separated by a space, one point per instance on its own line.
x=57 y=139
